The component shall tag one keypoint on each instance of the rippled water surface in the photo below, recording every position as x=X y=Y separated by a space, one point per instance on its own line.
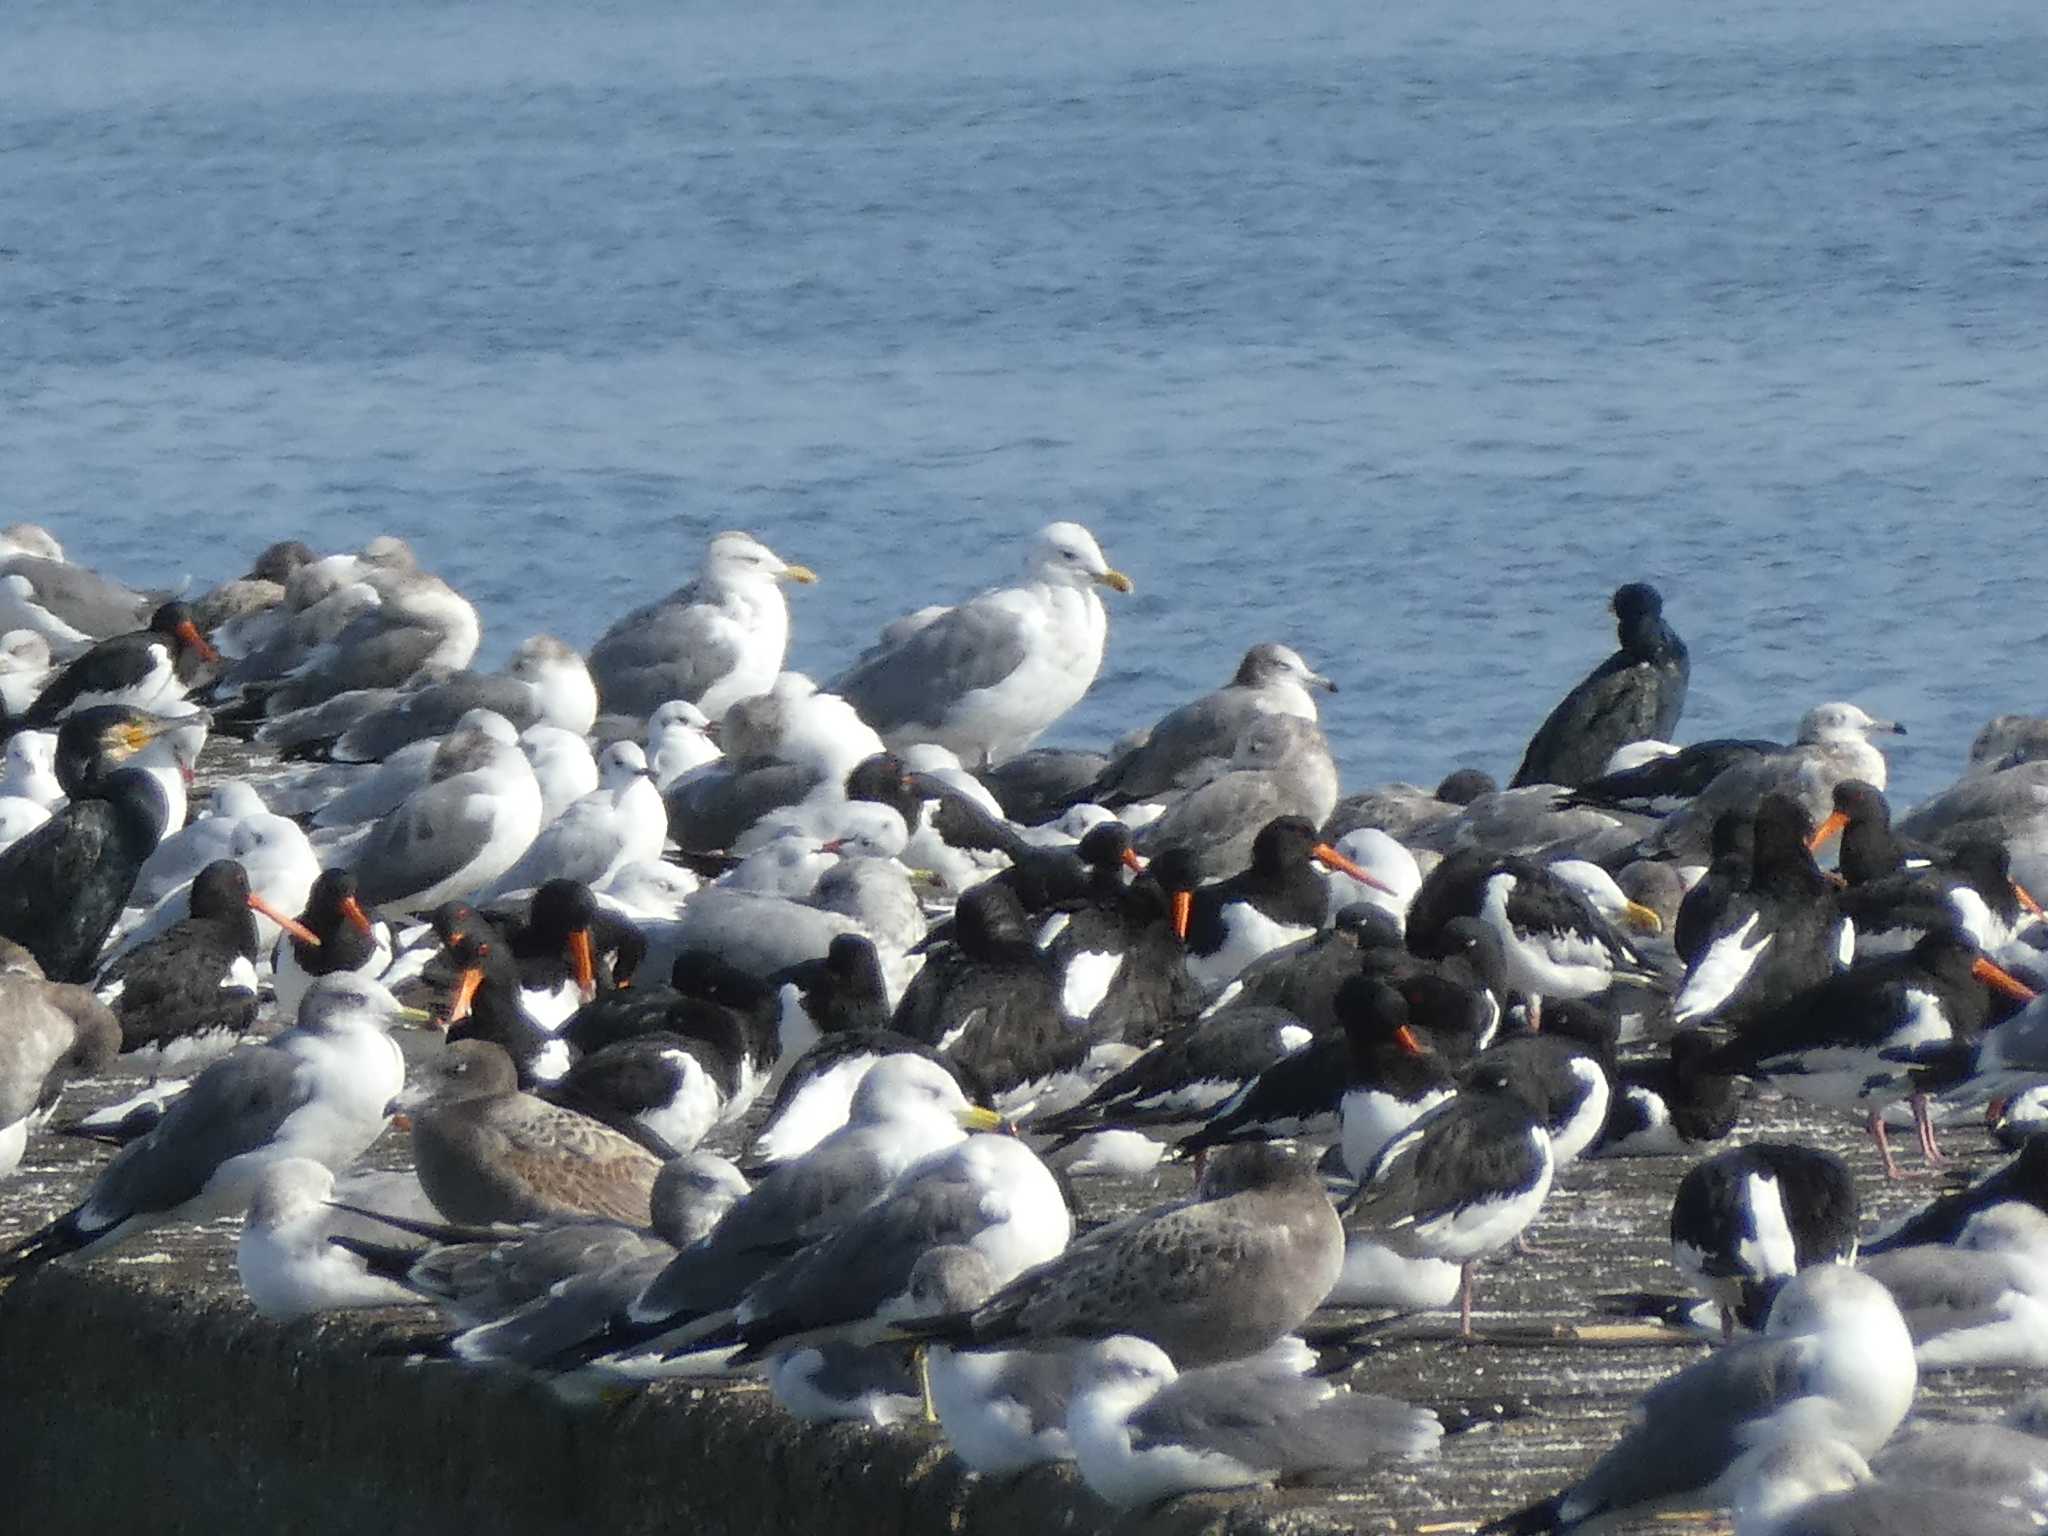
x=1401 y=332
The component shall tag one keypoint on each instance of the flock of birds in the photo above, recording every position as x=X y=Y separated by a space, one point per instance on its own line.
x=567 y=923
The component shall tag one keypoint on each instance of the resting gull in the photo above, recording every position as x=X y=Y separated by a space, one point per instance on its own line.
x=24 y=668
x=989 y=1193
x=1981 y=1302
x=456 y=834
x=620 y=822
x=1217 y=1276
x=1833 y=745
x=1812 y=1483
x=288 y=1267
x=321 y=1090
x=986 y=678
x=1142 y=1431
x=905 y=1109
x=545 y=683
x=1282 y=767
x=1835 y=1357
x=1002 y=1410
x=488 y=1152
x=49 y=1033
x=1271 y=680
x=713 y=642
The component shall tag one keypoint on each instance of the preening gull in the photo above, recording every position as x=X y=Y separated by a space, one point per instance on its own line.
x=1835 y=1358
x=1142 y=1431
x=713 y=642
x=321 y=1090
x=986 y=678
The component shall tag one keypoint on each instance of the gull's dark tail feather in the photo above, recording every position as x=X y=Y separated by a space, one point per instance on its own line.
x=62 y=1236
x=433 y=1231
x=1537 y=1520
x=390 y=1261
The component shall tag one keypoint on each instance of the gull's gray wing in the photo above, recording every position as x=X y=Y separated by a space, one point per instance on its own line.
x=234 y=1106
x=572 y=1312
x=433 y=710
x=1685 y=1434
x=479 y=1281
x=1182 y=740
x=1985 y=806
x=428 y=838
x=83 y=599
x=381 y=649
x=675 y=648
x=793 y=1206
x=846 y=1276
x=918 y=682
x=1270 y=1419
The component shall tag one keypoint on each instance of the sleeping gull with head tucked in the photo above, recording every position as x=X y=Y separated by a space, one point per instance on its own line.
x=1142 y=1431
x=984 y=679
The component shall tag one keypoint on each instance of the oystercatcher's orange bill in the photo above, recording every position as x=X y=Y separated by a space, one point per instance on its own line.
x=284 y=920
x=1826 y=830
x=1999 y=979
x=1330 y=858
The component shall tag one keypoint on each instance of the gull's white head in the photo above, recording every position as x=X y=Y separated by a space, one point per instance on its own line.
x=620 y=764
x=1843 y=722
x=348 y=1002
x=2011 y=1226
x=24 y=650
x=1124 y=1367
x=907 y=1087
x=30 y=539
x=1067 y=554
x=741 y=558
x=1778 y=1477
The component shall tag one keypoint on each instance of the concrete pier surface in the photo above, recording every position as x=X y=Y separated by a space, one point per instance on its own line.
x=140 y=1392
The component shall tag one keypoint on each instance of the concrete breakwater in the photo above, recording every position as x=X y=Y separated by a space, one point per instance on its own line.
x=139 y=1401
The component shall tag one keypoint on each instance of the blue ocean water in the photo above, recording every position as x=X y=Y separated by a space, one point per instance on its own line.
x=1400 y=332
